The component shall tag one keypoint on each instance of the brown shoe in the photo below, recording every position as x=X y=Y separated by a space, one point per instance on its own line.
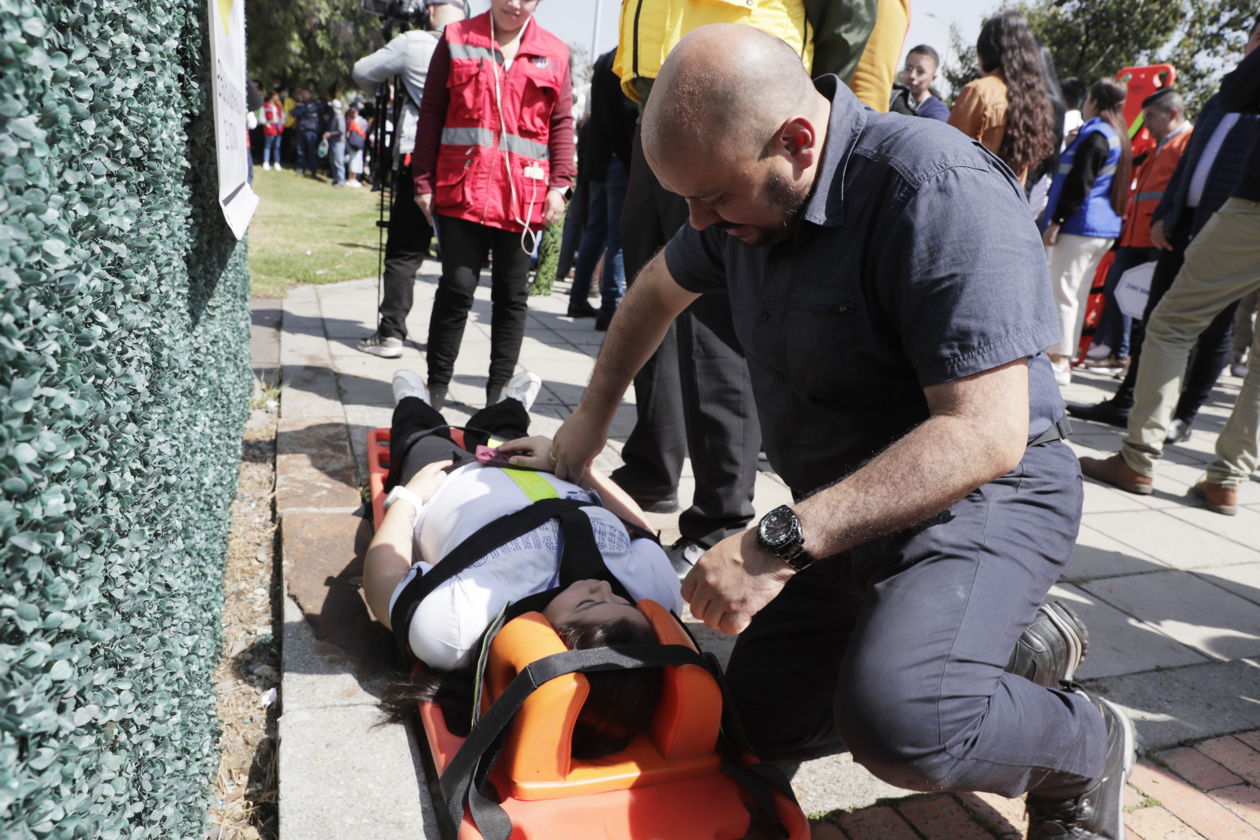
x=1116 y=472
x=1220 y=498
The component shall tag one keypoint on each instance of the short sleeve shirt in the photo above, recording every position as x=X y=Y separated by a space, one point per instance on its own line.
x=915 y=262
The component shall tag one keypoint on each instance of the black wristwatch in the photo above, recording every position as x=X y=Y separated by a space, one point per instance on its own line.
x=780 y=533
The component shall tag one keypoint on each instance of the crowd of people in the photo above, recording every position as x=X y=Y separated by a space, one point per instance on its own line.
x=312 y=135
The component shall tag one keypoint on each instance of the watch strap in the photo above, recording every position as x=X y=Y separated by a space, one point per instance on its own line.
x=401 y=492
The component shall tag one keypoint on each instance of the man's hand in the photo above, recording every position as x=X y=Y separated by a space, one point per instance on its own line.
x=425 y=202
x=1051 y=235
x=1158 y=237
x=577 y=442
x=554 y=208
x=733 y=581
x=532 y=453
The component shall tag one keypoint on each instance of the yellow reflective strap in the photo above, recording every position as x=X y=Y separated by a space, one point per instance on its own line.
x=535 y=487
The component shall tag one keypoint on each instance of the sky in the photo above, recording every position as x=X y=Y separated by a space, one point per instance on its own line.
x=574 y=21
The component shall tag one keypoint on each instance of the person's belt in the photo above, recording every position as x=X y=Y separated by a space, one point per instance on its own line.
x=1059 y=431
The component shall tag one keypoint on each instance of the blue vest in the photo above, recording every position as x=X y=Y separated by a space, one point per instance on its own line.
x=1095 y=218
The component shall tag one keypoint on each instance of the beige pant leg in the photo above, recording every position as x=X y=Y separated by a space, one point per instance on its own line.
x=1073 y=261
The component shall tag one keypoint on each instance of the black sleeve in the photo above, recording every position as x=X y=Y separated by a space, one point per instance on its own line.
x=1240 y=90
x=1091 y=156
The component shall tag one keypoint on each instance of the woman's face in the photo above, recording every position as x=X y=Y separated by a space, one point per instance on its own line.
x=590 y=602
x=511 y=15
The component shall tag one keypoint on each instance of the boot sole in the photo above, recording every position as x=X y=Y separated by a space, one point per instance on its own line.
x=1073 y=630
x=1130 y=758
x=1225 y=510
x=382 y=352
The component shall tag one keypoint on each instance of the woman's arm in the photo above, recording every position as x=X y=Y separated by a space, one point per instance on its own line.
x=967 y=115
x=560 y=138
x=437 y=98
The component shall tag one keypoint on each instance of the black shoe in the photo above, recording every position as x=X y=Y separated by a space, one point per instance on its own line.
x=665 y=501
x=1178 y=431
x=1099 y=811
x=1051 y=648
x=683 y=555
x=602 y=322
x=582 y=309
x=1106 y=411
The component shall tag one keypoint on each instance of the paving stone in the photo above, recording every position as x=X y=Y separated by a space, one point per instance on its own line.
x=317 y=674
x=1243 y=800
x=1188 y=609
x=825 y=831
x=1156 y=823
x=1187 y=704
x=942 y=818
x=1119 y=643
x=264 y=337
x=1234 y=755
x=1243 y=580
x=1167 y=539
x=1198 y=769
x=1189 y=805
x=1098 y=555
x=314 y=466
x=331 y=767
x=1251 y=739
x=881 y=823
x=830 y=780
x=1242 y=528
x=1004 y=817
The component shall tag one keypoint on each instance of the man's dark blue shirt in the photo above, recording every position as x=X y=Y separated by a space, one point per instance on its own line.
x=915 y=262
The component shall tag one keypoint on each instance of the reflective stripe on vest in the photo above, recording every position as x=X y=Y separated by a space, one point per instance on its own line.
x=474 y=52
x=1095 y=218
x=485 y=137
x=1150 y=196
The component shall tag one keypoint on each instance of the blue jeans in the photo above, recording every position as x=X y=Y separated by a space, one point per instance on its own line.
x=308 y=151
x=337 y=158
x=1113 y=327
x=271 y=149
x=603 y=231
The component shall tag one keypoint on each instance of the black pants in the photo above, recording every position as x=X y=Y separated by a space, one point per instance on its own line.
x=899 y=647
x=1211 y=351
x=308 y=151
x=464 y=248
x=694 y=395
x=406 y=245
x=411 y=448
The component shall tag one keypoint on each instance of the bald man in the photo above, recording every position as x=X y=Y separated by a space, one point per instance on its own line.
x=891 y=294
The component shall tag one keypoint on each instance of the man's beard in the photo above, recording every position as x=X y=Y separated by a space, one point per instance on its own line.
x=783 y=196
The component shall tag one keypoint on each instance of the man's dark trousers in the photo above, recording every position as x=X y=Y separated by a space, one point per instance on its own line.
x=694 y=395
x=899 y=646
x=406 y=246
x=308 y=151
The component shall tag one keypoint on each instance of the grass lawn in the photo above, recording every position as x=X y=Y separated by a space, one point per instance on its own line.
x=307 y=232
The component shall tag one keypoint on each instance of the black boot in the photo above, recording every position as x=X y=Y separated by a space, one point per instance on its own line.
x=1051 y=648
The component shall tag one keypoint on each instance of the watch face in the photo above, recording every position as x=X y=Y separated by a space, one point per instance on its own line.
x=777 y=528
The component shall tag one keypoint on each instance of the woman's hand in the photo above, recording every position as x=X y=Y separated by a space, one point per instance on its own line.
x=425 y=202
x=1051 y=235
x=554 y=207
x=1071 y=137
x=426 y=482
x=530 y=452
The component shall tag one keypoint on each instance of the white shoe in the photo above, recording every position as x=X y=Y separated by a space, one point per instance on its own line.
x=1238 y=369
x=1062 y=372
x=277 y=167
x=354 y=185
x=408 y=384
x=1098 y=351
x=266 y=166
x=524 y=388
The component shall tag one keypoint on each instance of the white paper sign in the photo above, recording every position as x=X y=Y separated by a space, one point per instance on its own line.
x=227 y=59
x=1133 y=289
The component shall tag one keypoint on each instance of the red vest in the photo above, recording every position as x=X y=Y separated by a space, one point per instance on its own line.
x=1150 y=178
x=478 y=154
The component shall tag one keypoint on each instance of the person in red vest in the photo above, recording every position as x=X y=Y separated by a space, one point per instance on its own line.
x=493 y=159
x=1164 y=114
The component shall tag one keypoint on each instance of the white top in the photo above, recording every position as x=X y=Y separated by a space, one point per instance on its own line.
x=451 y=620
x=1204 y=167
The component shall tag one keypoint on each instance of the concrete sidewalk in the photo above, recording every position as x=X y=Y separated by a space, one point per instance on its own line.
x=1171 y=592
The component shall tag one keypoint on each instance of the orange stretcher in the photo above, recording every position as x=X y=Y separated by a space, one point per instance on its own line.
x=668 y=784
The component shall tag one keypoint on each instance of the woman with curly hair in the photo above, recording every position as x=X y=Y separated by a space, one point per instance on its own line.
x=1008 y=109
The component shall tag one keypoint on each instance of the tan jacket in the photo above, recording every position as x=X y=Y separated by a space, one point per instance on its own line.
x=980 y=112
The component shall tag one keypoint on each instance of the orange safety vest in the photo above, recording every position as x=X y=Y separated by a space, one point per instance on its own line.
x=489 y=173
x=1149 y=182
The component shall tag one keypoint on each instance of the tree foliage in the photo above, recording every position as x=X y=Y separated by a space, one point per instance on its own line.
x=309 y=43
x=1210 y=43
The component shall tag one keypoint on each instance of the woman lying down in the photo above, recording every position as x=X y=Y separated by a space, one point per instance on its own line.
x=448 y=496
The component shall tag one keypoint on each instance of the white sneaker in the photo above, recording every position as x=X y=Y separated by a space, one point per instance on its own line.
x=266 y=166
x=277 y=167
x=408 y=384
x=524 y=388
x=386 y=348
x=1238 y=370
x=354 y=185
x=1062 y=372
x=1098 y=351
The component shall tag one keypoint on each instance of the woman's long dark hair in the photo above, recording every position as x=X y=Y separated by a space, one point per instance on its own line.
x=1109 y=94
x=619 y=706
x=1006 y=41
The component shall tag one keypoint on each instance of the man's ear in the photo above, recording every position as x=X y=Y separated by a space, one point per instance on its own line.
x=800 y=141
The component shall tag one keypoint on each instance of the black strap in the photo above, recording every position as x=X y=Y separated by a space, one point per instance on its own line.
x=486 y=539
x=581 y=559
x=1061 y=429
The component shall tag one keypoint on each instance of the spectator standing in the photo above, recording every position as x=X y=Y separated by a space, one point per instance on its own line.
x=1037 y=184
x=611 y=138
x=1221 y=265
x=1083 y=211
x=917 y=77
x=493 y=159
x=1008 y=109
x=1163 y=113
x=1204 y=178
x=356 y=142
x=306 y=119
x=273 y=131
x=336 y=137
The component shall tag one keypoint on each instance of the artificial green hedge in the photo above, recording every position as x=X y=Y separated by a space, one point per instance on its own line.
x=124 y=383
